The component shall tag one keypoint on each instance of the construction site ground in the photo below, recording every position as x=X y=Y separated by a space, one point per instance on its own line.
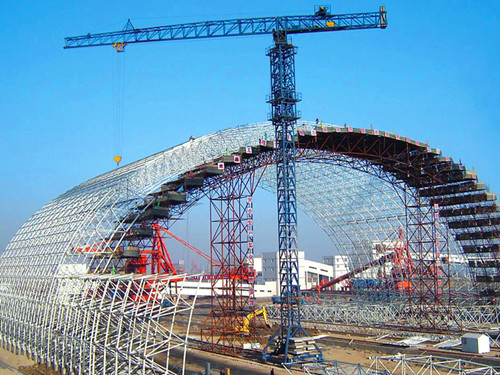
x=338 y=346
x=358 y=345
x=12 y=364
x=195 y=363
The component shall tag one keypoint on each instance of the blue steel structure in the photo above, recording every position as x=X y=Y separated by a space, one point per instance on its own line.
x=321 y=21
x=284 y=115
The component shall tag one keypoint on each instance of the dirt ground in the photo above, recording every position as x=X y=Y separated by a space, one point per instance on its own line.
x=350 y=355
x=11 y=364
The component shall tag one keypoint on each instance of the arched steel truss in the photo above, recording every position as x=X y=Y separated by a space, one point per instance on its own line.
x=40 y=262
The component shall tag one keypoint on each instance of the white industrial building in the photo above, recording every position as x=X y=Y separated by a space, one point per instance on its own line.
x=340 y=265
x=311 y=274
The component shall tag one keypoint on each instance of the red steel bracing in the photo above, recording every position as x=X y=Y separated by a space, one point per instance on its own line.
x=232 y=272
x=429 y=298
x=160 y=258
x=403 y=264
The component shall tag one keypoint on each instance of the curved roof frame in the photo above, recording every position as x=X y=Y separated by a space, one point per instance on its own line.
x=351 y=206
x=42 y=253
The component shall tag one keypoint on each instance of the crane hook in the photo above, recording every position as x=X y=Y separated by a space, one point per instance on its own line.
x=120 y=47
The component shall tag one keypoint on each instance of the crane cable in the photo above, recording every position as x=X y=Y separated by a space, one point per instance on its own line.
x=118 y=101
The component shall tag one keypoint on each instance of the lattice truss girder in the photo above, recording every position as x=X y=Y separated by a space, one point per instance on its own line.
x=402 y=364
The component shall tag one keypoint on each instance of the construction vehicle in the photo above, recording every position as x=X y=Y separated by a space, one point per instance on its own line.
x=246 y=323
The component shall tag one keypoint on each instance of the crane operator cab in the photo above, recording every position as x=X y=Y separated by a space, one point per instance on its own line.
x=322 y=10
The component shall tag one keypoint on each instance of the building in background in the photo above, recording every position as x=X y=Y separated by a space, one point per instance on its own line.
x=311 y=274
x=340 y=265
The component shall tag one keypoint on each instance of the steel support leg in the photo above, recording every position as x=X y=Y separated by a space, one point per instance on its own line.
x=429 y=299
x=232 y=272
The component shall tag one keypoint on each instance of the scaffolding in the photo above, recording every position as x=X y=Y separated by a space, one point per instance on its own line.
x=232 y=271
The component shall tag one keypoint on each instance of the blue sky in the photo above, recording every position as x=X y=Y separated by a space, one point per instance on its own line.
x=431 y=75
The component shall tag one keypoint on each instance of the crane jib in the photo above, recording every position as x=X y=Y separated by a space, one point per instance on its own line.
x=236 y=27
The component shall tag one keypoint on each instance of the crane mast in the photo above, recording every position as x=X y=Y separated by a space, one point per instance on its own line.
x=283 y=101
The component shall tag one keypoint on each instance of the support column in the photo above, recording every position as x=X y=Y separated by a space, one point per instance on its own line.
x=232 y=271
x=429 y=298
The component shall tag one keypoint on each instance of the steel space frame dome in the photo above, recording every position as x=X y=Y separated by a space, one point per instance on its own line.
x=51 y=308
x=43 y=283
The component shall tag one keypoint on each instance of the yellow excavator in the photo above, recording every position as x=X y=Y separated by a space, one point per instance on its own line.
x=246 y=323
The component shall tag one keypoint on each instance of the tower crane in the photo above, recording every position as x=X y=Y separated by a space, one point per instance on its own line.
x=284 y=115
